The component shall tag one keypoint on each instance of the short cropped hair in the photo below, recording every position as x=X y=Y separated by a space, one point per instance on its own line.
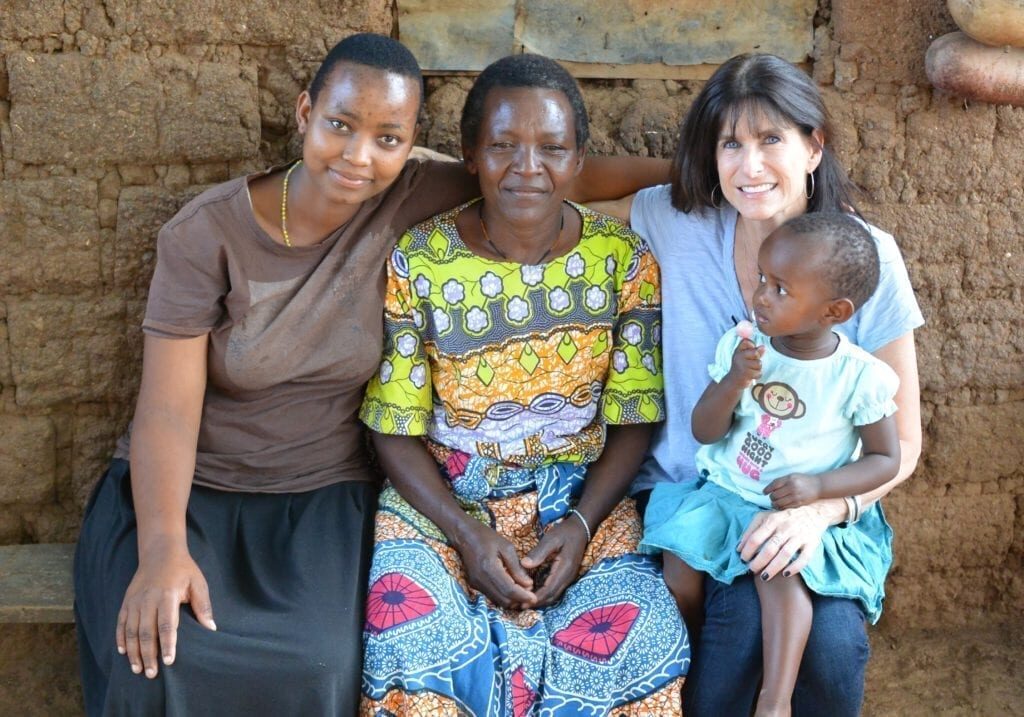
x=850 y=264
x=523 y=71
x=754 y=84
x=370 y=50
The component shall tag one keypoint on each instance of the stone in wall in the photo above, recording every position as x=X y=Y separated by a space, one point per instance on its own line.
x=995 y=435
x=949 y=153
x=258 y=22
x=80 y=111
x=1004 y=179
x=650 y=128
x=23 y=19
x=51 y=236
x=946 y=532
x=27 y=459
x=95 y=434
x=69 y=350
x=885 y=40
x=997 y=258
x=141 y=211
x=949 y=598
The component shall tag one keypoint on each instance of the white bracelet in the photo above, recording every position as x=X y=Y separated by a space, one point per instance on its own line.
x=852 y=510
x=583 y=520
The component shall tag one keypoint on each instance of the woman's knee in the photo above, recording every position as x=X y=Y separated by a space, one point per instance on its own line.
x=832 y=672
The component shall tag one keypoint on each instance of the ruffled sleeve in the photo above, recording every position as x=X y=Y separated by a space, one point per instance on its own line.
x=872 y=398
x=723 y=355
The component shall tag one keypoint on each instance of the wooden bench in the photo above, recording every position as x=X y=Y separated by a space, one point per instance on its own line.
x=35 y=583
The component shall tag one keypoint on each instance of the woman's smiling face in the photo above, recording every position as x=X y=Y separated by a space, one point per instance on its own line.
x=358 y=134
x=525 y=156
x=763 y=164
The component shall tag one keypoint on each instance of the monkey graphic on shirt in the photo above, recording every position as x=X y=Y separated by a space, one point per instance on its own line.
x=779 y=403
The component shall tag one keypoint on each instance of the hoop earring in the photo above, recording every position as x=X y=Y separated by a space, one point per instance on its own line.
x=809 y=192
x=718 y=204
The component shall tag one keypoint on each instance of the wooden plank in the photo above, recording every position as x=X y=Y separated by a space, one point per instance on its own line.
x=35 y=583
x=668 y=32
x=650 y=39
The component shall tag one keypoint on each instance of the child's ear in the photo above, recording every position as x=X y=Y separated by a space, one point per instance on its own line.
x=839 y=311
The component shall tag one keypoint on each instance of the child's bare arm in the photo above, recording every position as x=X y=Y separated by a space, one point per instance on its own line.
x=712 y=416
x=878 y=464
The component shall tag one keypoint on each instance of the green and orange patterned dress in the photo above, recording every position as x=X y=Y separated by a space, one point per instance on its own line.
x=511 y=373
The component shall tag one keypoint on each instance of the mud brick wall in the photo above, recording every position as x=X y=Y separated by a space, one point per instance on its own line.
x=115 y=112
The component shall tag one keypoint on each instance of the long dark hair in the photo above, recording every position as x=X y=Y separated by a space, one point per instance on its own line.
x=755 y=83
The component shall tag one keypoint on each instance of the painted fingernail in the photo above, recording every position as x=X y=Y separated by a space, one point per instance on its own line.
x=136 y=669
x=168 y=659
x=764 y=576
x=151 y=672
x=120 y=650
x=786 y=573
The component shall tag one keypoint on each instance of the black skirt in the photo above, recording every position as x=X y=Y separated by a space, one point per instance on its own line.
x=287 y=576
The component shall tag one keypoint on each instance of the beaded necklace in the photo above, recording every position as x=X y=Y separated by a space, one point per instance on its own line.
x=284 y=205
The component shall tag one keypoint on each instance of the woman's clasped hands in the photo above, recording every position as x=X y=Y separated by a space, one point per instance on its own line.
x=538 y=579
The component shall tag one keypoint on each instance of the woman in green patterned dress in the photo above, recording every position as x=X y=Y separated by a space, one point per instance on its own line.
x=512 y=408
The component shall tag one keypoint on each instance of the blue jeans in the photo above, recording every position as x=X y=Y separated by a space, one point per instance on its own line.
x=725 y=673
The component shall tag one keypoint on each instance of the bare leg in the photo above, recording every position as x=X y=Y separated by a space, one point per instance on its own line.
x=786 y=614
x=687 y=587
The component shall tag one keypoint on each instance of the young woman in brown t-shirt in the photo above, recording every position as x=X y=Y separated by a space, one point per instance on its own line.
x=244 y=492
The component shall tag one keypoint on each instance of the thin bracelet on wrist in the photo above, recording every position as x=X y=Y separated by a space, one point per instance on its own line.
x=852 y=510
x=586 y=526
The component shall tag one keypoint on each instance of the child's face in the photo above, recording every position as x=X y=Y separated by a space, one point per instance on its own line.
x=792 y=298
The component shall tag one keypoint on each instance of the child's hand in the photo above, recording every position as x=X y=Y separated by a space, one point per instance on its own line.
x=746 y=362
x=794 y=490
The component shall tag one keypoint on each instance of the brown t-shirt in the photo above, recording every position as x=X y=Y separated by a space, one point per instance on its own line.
x=295 y=333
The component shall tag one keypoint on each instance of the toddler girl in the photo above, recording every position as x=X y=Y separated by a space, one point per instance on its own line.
x=781 y=422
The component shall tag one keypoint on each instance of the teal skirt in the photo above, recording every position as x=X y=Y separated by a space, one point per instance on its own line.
x=702 y=527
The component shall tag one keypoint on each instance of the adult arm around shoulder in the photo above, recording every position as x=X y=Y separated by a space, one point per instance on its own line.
x=782 y=533
x=163 y=457
x=613 y=178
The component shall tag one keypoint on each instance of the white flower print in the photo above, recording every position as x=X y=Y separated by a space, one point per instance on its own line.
x=632 y=334
x=596 y=298
x=574 y=265
x=656 y=334
x=476 y=319
x=648 y=362
x=406 y=345
x=418 y=375
x=453 y=292
x=417 y=318
x=490 y=284
x=559 y=299
x=422 y=285
x=517 y=309
x=610 y=265
x=385 y=371
x=400 y=263
x=441 y=321
x=619 y=361
x=532 y=275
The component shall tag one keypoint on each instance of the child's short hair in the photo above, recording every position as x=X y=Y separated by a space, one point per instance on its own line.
x=851 y=266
